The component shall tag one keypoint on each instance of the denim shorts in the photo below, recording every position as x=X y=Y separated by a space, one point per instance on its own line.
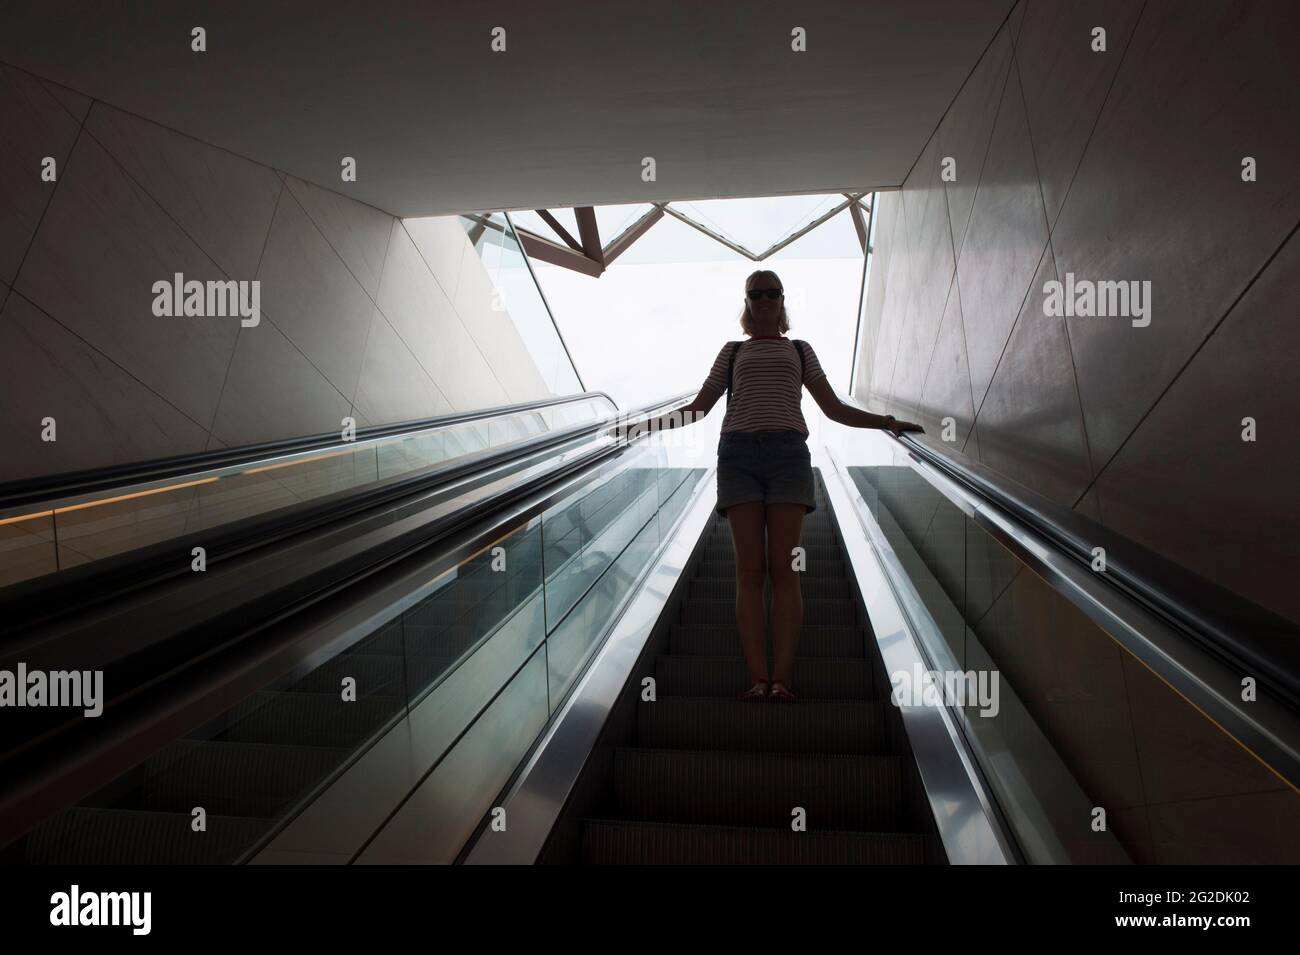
x=774 y=467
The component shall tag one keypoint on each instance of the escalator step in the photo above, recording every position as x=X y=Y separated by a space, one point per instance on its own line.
x=447 y=642
x=309 y=719
x=820 y=536
x=613 y=842
x=819 y=518
x=812 y=532
x=81 y=836
x=820 y=514
x=821 y=588
x=759 y=789
x=460 y=591
x=719 y=640
x=422 y=671
x=463 y=604
x=816 y=612
x=385 y=642
x=816 y=553
x=374 y=674
x=807 y=726
x=726 y=570
x=380 y=676
x=816 y=678
x=232 y=779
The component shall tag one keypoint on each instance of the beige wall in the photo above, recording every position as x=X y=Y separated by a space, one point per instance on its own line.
x=363 y=314
x=1123 y=165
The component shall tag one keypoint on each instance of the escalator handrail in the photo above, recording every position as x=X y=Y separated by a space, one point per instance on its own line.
x=1192 y=634
x=64 y=753
x=1216 y=619
x=36 y=602
x=26 y=492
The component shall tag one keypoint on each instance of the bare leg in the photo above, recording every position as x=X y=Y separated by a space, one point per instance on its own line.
x=784 y=525
x=747 y=538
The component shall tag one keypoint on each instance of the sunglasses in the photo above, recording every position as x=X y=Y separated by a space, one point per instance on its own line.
x=757 y=293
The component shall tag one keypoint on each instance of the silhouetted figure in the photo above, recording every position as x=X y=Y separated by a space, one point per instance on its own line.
x=765 y=478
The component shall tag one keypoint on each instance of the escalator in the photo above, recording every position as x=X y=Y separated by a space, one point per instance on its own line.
x=712 y=779
x=252 y=764
x=509 y=637
x=972 y=689
x=250 y=715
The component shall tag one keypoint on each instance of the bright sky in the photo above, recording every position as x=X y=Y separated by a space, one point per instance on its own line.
x=653 y=323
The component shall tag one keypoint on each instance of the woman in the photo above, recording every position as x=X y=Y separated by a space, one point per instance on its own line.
x=765 y=479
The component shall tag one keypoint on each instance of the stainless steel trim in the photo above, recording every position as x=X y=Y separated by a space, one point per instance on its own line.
x=539 y=793
x=334 y=823
x=313 y=638
x=283 y=459
x=1266 y=727
x=970 y=827
x=1034 y=811
x=443 y=810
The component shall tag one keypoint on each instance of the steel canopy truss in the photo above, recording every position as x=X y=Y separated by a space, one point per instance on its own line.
x=585 y=254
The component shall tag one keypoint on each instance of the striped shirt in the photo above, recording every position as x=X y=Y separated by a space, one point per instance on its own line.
x=766 y=392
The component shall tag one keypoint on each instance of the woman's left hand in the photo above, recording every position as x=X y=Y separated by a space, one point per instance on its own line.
x=902 y=427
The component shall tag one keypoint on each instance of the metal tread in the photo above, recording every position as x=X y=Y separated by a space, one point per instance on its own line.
x=630 y=842
x=833 y=790
x=723 y=676
x=809 y=726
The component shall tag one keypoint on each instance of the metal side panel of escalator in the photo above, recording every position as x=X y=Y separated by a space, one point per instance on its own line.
x=377 y=683
x=706 y=778
x=972 y=689
x=659 y=762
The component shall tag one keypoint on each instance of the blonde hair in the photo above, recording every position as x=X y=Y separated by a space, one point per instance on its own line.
x=747 y=320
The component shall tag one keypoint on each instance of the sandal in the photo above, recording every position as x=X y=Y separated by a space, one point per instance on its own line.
x=756 y=692
x=780 y=691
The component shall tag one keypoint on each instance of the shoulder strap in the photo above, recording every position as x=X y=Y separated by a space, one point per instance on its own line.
x=731 y=364
x=799 y=346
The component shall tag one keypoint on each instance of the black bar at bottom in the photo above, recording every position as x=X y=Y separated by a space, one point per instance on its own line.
x=920 y=906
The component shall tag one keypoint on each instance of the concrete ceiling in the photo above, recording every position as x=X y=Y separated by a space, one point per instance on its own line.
x=440 y=124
